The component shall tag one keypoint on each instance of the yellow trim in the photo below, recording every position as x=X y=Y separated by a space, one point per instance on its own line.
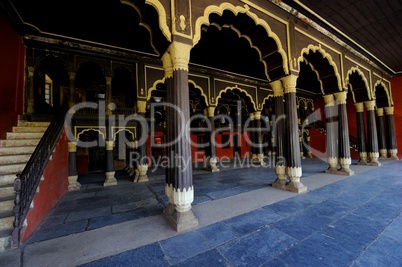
x=266 y=98
x=89 y=128
x=230 y=88
x=190 y=20
x=362 y=67
x=316 y=73
x=350 y=72
x=202 y=92
x=148 y=90
x=315 y=48
x=123 y=128
x=238 y=9
x=153 y=88
x=390 y=101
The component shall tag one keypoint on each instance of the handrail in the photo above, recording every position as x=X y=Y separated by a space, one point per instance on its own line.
x=27 y=182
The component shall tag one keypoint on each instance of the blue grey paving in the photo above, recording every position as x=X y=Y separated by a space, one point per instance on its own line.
x=354 y=222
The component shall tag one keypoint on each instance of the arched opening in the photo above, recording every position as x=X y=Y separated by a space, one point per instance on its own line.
x=124 y=89
x=90 y=83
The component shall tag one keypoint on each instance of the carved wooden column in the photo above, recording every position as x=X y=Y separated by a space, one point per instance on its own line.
x=72 y=167
x=372 y=134
x=108 y=94
x=110 y=179
x=71 y=91
x=31 y=97
x=344 y=144
x=294 y=168
x=332 y=134
x=382 y=145
x=279 y=137
x=179 y=177
x=212 y=161
x=142 y=167
x=259 y=154
x=361 y=134
x=392 y=148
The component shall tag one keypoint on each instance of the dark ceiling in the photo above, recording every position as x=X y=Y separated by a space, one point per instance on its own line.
x=373 y=24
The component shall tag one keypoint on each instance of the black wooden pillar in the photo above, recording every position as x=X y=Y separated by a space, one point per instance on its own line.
x=110 y=179
x=382 y=145
x=361 y=134
x=71 y=92
x=30 y=93
x=72 y=167
x=142 y=167
x=278 y=128
x=332 y=134
x=372 y=134
x=294 y=168
x=259 y=151
x=392 y=148
x=344 y=144
x=179 y=177
x=212 y=161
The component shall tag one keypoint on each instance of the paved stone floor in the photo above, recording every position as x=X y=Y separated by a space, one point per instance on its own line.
x=341 y=221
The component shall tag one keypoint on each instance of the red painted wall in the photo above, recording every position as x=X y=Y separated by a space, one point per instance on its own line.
x=51 y=189
x=12 y=56
x=396 y=85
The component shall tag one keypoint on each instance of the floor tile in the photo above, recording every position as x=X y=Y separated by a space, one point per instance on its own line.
x=183 y=247
x=217 y=234
x=256 y=248
x=103 y=221
x=210 y=258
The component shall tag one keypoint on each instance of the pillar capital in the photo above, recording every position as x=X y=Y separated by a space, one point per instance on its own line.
x=72 y=147
x=31 y=71
x=341 y=97
x=329 y=100
x=180 y=55
x=141 y=106
x=359 y=107
x=370 y=105
x=380 y=112
x=109 y=145
x=71 y=76
x=252 y=117
x=389 y=110
x=167 y=65
x=211 y=111
x=289 y=83
x=108 y=80
x=277 y=88
x=257 y=115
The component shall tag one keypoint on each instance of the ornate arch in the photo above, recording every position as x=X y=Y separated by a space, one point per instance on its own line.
x=230 y=88
x=124 y=129
x=236 y=10
x=90 y=129
x=200 y=89
x=361 y=74
x=153 y=87
x=325 y=55
x=387 y=91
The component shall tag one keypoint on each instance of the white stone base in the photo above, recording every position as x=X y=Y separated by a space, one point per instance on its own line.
x=73 y=185
x=110 y=179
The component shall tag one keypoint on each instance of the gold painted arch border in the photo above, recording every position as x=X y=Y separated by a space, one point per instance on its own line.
x=236 y=10
x=231 y=88
x=361 y=74
x=387 y=91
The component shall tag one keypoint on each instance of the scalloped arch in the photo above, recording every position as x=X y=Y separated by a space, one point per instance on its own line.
x=153 y=87
x=236 y=10
x=230 y=88
x=315 y=48
x=316 y=73
x=360 y=73
x=200 y=89
x=87 y=130
x=265 y=99
x=389 y=96
x=161 y=12
x=120 y=130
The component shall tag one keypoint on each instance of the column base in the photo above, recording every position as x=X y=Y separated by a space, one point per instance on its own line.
x=143 y=178
x=110 y=179
x=332 y=170
x=333 y=165
x=383 y=154
x=73 y=185
x=362 y=162
x=296 y=186
x=280 y=183
x=393 y=154
x=180 y=221
x=281 y=179
x=141 y=174
x=309 y=155
x=374 y=163
x=393 y=158
x=346 y=171
x=211 y=163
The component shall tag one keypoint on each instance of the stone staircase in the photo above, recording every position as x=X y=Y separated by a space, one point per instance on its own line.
x=15 y=152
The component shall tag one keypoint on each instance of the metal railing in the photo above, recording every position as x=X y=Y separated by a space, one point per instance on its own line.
x=27 y=182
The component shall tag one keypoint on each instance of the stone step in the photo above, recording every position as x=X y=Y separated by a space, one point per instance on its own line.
x=12 y=159
x=6 y=205
x=11 y=168
x=7 y=179
x=7 y=191
x=19 y=143
x=29 y=129
x=5 y=240
x=19 y=136
x=33 y=123
x=6 y=223
x=17 y=150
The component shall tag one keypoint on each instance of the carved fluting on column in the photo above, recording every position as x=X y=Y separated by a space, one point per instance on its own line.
x=279 y=135
x=372 y=134
x=392 y=148
x=344 y=144
x=294 y=169
x=179 y=174
x=361 y=135
x=110 y=179
x=72 y=167
x=31 y=98
x=211 y=159
x=331 y=138
x=382 y=146
x=71 y=91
